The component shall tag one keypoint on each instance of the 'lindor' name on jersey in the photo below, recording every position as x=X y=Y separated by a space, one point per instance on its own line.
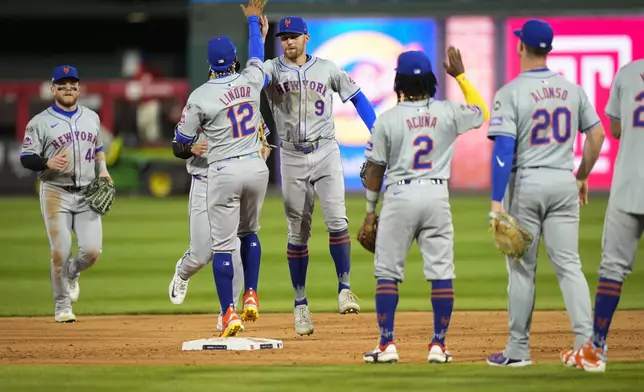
x=234 y=94
x=549 y=93
x=295 y=85
x=423 y=121
x=62 y=140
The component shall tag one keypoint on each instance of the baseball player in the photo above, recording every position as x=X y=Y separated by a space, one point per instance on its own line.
x=414 y=142
x=300 y=94
x=533 y=126
x=63 y=144
x=624 y=222
x=199 y=253
x=227 y=109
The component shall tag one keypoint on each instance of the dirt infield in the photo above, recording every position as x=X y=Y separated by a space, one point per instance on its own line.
x=156 y=340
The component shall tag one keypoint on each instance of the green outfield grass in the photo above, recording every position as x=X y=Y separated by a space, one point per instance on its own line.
x=143 y=239
x=459 y=378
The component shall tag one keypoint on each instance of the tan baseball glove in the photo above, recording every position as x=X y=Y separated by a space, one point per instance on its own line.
x=510 y=238
x=367 y=233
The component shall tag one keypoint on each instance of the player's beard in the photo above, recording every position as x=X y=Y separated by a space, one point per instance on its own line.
x=295 y=53
x=67 y=100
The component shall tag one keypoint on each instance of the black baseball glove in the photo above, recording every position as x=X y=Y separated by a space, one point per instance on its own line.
x=100 y=195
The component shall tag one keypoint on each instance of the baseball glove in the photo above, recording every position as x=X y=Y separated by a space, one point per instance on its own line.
x=510 y=238
x=367 y=236
x=100 y=195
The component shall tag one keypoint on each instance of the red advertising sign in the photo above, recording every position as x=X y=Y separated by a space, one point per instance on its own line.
x=474 y=37
x=588 y=51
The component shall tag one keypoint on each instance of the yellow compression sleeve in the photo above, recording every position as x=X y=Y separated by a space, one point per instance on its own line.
x=472 y=96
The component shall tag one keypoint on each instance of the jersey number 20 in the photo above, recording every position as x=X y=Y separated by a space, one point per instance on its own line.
x=559 y=121
x=239 y=117
x=425 y=146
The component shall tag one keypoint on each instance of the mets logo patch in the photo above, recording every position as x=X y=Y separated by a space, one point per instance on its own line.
x=496 y=121
x=26 y=142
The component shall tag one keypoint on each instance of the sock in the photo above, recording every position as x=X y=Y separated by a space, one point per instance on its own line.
x=298 y=262
x=251 y=255
x=386 y=303
x=443 y=304
x=606 y=300
x=340 y=247
x=222 y=270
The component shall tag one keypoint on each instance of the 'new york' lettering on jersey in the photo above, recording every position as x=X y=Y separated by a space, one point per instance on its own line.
x=542 y=110
x=626 y=104
x=301 y=98
x=228 y=111
x=50 y=133
x=415 y=140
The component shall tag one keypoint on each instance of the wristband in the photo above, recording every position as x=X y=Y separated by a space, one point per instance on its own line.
x=372 y=200
x=459 y=78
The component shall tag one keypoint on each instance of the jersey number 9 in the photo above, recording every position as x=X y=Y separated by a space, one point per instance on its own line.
x=559 y=122
x=425 y=146
x=239 y=117
x=638 y=113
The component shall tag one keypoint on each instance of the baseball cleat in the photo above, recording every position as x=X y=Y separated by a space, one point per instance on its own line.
x=347 y=302
x=588 y=357
x=73 y=288
x=250 y=311
x=380 y=354
x=498 y=359
x=65 y=317
x=178 y=287
x=438 y=354
x=231 y=323
x=568 y=357
x=303 y=323
x=220 y=323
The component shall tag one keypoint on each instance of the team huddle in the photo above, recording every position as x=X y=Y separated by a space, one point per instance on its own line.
x=223 y=138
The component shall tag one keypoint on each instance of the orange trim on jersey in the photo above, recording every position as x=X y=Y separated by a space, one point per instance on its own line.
x=608 y=292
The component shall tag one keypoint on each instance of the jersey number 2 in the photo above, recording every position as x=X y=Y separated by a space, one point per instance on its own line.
x=560 y=117
x=239 y=117
x=638 y=113
x=425 y=146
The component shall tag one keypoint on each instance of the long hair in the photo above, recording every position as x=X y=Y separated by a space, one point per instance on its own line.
x=415 y=88
x=212 y=74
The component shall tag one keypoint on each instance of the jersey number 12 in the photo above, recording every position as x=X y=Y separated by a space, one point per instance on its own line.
x=239 y=117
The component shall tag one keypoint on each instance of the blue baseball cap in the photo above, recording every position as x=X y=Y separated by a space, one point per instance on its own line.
x=414 y=63
x=292 y=25
x=536 y=33
x=64 y=72
x=221 y=53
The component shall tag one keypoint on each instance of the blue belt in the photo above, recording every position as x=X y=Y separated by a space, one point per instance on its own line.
x=251 y=155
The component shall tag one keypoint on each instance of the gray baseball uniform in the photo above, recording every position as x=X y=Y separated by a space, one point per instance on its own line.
x=62 y=201
x=415 y=141
x=301 y=99
x=227 y=109
x=624 y=223
x=541 y=110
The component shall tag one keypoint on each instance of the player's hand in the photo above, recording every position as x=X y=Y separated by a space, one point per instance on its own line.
x=199 y=149
x=106 y=174
x=496 y=206
x=254 y=8
x=583 y=192
x=370 y=220
x=263 y=23
x=453 y=63
x=57 y=163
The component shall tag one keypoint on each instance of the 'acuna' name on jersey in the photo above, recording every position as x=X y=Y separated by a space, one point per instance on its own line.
x=234 y=94
x=61 y=140
x=294 y=85
x=549 y=93
x=423 y=121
